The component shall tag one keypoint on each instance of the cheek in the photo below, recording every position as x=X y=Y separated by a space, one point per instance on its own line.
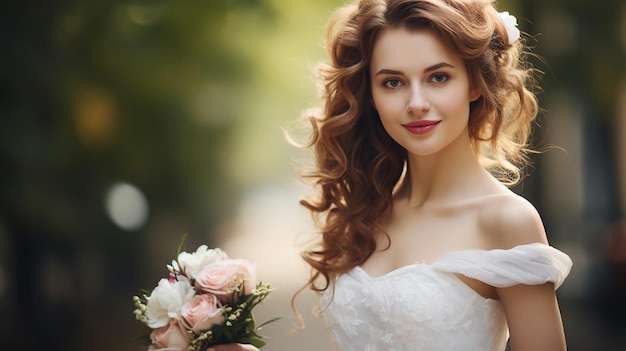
x=388 y=107
x=456 y=103
x=390 y=118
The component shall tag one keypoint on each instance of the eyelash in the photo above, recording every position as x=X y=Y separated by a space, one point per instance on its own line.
x=431 y=79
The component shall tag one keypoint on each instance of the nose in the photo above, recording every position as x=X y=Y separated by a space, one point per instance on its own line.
x=418 y=103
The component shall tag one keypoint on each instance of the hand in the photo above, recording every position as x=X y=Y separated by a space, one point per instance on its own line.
x=232 y=347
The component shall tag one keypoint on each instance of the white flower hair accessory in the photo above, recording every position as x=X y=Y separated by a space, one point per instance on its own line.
x=510 y=24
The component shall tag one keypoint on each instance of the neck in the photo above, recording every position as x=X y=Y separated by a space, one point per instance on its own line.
x=451 y=174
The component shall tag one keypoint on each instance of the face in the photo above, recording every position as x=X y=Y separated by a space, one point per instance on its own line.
x=421 y=90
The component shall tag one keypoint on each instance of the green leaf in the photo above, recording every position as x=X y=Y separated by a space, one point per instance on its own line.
x=180 y=245
x=268 y=322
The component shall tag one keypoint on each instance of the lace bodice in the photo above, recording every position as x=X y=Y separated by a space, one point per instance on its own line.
x=427 y=307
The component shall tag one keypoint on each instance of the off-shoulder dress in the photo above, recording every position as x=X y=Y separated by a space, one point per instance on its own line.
x=426 y=307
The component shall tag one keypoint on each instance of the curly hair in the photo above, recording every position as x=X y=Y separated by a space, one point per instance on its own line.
x=358 y=165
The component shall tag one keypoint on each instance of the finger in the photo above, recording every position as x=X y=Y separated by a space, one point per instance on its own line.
x=232 y=347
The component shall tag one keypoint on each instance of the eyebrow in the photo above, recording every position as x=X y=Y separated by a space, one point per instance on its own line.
x=426 y=70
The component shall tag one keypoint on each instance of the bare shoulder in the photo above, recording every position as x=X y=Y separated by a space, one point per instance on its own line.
x=508 y=220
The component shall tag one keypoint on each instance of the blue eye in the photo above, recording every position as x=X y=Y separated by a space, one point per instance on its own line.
x=392 y=83
x=439 y=78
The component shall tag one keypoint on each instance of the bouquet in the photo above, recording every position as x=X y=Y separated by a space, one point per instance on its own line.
x=206 y=300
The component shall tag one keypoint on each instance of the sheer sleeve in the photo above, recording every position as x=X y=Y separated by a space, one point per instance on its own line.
x=530 y=264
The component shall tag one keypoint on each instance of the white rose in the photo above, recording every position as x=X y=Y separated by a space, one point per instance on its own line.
x=166 y=301
x=192 y=263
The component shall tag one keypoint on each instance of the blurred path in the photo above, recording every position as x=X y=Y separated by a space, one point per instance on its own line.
x=268 y=227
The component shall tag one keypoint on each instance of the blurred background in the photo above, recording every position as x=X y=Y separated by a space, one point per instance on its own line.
x=125 y=124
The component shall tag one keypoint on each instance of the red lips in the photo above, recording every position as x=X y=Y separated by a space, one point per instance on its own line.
x=421 y=126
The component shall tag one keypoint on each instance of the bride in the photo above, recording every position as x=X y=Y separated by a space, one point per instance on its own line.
x=426 y=117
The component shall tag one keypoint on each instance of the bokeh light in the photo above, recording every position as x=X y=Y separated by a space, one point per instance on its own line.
x=127 y=206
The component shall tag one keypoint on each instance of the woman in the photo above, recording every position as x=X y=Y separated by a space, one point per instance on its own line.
x=426 y=119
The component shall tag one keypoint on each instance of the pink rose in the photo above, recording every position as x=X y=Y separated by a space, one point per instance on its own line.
x=223 y=277
x=172 y=337
x=202 y=312
x=249 y=271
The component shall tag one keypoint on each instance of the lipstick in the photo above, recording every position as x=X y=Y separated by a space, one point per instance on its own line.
x=421 y=127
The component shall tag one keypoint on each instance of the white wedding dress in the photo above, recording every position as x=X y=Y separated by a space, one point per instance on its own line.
x=426 y=307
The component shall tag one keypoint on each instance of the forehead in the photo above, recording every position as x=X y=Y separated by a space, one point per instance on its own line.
x=400 y=48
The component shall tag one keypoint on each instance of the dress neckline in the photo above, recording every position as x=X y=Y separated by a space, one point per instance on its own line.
x=439 y=258
x=469 y=291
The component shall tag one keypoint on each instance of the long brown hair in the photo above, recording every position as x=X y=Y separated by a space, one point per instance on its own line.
x=357 y=165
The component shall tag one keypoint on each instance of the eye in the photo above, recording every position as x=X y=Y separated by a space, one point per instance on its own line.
x=439 y=78
x=392 y=83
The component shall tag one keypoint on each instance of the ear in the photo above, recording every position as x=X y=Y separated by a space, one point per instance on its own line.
x=474 y=94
